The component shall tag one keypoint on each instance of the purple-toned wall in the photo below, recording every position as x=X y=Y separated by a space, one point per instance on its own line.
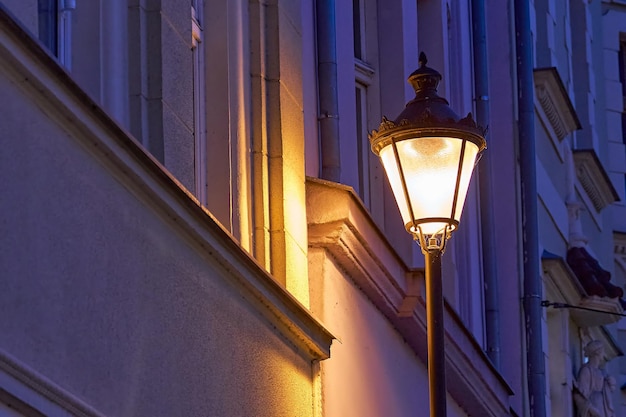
x=117 y=286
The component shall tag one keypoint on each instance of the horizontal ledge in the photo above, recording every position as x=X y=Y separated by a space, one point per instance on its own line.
x=340 y=224
x=24 y=60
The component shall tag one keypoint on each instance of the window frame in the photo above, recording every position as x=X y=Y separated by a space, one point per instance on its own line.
x=199 y=102
x=358 y=30
x=55 y=28
x=364 y=80
x=361 y=141
x=48 y=24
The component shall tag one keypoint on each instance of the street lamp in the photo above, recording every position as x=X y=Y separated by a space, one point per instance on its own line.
x=429 y=153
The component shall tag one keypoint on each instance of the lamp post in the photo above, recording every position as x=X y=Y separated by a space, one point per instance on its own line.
x=428 y=153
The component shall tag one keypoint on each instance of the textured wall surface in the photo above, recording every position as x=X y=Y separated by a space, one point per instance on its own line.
x=104 y=296
x=25 y=11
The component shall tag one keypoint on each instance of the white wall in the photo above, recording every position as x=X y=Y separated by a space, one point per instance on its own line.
x=372 y=370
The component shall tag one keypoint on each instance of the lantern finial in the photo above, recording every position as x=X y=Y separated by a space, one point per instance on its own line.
x=422 y=59
x=425 y=80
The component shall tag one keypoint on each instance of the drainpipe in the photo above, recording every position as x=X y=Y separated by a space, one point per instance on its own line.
x=530 y=233
x=485 y=184
x=327 y=90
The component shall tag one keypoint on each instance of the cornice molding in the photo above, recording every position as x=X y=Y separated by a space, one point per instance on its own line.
x=363 y=72
x=562 y=286
x=555 y=102
x=16 y=376
x=594 y=179
x=586 y=318
x=339 y=224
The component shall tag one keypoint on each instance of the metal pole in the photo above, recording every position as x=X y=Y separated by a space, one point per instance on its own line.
x=435 y=330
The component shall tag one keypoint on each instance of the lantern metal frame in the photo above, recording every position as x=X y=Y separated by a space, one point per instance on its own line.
x=391 y=133
x=429 y=116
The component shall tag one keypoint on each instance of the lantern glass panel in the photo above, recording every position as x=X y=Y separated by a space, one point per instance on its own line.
x=430 y=166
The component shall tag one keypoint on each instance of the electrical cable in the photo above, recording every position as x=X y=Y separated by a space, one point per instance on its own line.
x=548 y=303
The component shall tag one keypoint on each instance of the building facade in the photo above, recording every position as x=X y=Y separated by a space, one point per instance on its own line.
x=192 y=215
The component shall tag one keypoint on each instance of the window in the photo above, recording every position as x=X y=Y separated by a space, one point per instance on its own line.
x=199 y=102
x=64 y=30
x=48 y=24
x=363 y=79
x=459 y=91
x=55 y=28
x=362 y=140
x=364 y=75
x=358 y=23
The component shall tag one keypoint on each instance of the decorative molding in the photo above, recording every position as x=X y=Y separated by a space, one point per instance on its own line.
x=561 y=283
x=340 y=225
x=594 y=179
x=555 y=102
x=586 y=318
x=562 y=286
x=363 y=72
x=24 y=62
x=424 y=120
x=40 y=387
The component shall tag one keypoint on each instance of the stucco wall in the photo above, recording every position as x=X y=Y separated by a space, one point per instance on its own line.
x=105 y=297
x=25 y=11
x=372 y=370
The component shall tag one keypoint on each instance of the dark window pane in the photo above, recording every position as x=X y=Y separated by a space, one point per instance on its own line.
x=360 y=145
x=48 y=24
x=356 y=28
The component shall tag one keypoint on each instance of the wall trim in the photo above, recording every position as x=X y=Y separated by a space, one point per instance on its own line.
x=24 y=61
x=39 y=392
x=555 y=102
x=561 y=283
x=341 y=225
x=594 y=179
